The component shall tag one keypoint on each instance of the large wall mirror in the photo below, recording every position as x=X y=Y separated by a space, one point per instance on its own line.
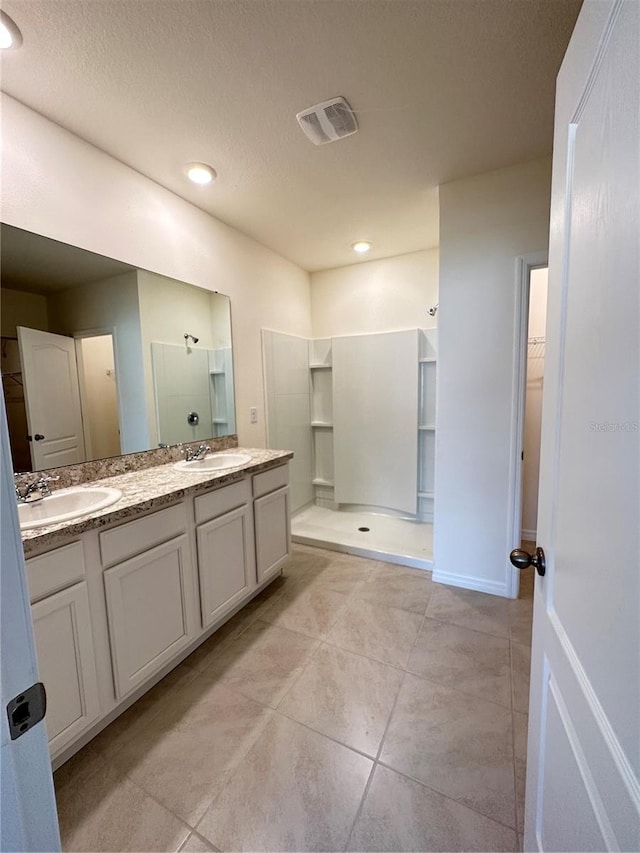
x=100 y=358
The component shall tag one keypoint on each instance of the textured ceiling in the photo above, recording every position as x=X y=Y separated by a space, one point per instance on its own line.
x=441 y=88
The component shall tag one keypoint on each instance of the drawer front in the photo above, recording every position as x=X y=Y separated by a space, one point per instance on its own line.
x=54 y=571
x=138 y=536
x=270 y=480
x=221 y=500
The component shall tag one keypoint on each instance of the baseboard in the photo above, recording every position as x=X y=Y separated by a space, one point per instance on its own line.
x=529 y=535
x=468 y=582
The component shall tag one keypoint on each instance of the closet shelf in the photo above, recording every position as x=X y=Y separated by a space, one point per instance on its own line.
x=430 y=495
x=320 y=365
x=428 y=360
x=217 y=372
x=427 y=427
x=322 y=424
x=320 y=481
x=219 y=420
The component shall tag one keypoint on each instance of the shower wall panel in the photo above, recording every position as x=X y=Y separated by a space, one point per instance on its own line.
x=286 y=380
x=375 y=413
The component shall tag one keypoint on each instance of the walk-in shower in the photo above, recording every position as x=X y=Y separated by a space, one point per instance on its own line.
x=359 y=413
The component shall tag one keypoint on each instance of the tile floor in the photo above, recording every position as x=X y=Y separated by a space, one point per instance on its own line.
x=355 y=705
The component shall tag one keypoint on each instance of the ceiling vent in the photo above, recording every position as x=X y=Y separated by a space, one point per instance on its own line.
x=328 y=121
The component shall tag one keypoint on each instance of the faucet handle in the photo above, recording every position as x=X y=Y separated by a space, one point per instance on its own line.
x=43 y=485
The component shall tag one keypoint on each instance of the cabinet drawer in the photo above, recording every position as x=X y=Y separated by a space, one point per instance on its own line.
x=270 y=480
x=55 y=570
x=137 y=536
x=221 y=500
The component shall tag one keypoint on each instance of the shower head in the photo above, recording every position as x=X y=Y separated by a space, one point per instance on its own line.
x=193 y=338
x=433 y=310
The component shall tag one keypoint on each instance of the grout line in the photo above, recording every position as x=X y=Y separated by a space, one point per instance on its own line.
x=447 y=796
x=333 y=739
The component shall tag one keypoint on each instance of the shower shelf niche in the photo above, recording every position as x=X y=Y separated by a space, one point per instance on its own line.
x=426 y=428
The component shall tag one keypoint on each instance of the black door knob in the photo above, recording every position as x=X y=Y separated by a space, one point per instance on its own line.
x=38 y=437
x=523 y=559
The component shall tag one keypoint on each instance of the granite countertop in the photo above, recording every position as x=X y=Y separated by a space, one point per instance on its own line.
x=147 y=489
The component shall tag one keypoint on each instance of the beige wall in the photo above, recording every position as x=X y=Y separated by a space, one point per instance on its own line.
x=533 y=402
x=54 y=183
x=486 y=222
x=375 y=296
x=22 y=309
x=99 y=397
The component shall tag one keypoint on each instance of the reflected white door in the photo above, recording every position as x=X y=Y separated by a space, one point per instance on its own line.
x=52 y=398
x=583 y=789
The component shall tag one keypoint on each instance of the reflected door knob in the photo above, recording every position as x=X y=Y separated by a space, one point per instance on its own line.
x=523 y=559
x=36 y=437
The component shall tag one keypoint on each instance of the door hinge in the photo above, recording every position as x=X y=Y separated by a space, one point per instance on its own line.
x=27 y=709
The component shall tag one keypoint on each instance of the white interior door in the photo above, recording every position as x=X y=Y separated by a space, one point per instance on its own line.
x=583 y=790
x=28 y=818
x=52 y=398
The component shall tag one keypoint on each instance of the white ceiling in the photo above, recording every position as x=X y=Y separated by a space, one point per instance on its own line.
x=442 y=89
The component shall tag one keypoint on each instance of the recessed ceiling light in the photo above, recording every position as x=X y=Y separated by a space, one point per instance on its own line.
x=200 y=173
x=361 y=246
x=10 y=35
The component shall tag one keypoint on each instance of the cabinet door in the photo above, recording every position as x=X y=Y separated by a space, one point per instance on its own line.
x=226 y=563
x=273 y=532
x=150 y=605
x=64 y=644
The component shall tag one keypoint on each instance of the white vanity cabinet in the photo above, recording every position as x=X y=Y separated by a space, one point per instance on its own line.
x=226 y=553
x=116 y=609
x=64 y=642
x=272 y=520
x=150 y=595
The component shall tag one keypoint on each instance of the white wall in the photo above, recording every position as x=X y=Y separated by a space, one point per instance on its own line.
x=286 y=377
x=54 y=183
x=485 y=223
x=533 y=402
x=375 y=296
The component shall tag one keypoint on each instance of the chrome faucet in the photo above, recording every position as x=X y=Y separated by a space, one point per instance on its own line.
x=34 y=491
x=192 y=455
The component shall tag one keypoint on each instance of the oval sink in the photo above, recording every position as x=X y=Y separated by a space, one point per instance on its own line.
x=214 y=462
x=65 y=504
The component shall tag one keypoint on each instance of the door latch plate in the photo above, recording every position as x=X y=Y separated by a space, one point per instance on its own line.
x=26 y=709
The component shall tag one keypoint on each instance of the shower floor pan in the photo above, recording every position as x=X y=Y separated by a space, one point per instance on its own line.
x=393 y=540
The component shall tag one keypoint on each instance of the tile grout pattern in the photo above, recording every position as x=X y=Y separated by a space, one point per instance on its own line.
x=354 y=705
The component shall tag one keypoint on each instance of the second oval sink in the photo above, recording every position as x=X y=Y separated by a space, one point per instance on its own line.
x=212 y=463
x=65 y=504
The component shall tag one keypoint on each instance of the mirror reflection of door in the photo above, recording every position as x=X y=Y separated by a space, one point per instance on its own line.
x=98 y=395
x=52 y=398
